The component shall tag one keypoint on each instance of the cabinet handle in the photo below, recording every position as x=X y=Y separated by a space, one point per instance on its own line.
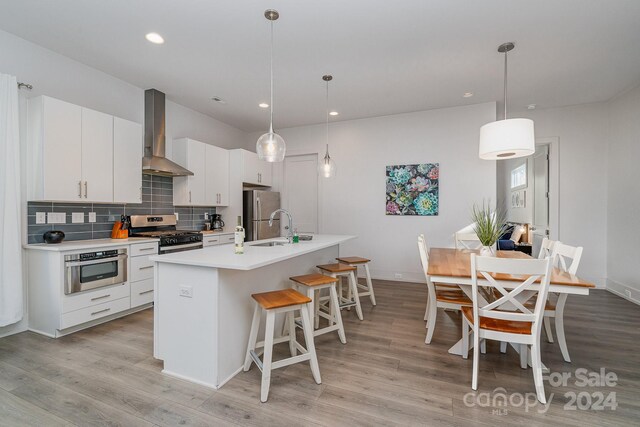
x=100 y=311
x=145 y=267
x=140 y=194
x=145 y=292
x=146 y=249
x=86 y=185
x=102 y=297
x=80 y=189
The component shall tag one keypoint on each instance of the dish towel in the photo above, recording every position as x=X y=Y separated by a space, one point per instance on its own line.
x=11 y=290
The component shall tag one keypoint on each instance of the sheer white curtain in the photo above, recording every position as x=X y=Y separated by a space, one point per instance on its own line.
x=11 y=291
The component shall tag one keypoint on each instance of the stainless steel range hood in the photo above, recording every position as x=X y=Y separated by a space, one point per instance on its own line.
x=154 y=162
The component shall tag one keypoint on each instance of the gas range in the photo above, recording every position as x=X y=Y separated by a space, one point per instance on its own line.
x=163 y=227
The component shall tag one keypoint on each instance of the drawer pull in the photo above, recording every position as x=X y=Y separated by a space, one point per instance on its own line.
x=101 y=297
x=100 y=311
x=145 y=267
x=147 y=249
x=145 y=292
x=231 y=239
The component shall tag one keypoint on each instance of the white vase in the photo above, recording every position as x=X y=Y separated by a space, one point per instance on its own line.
x=487 y=251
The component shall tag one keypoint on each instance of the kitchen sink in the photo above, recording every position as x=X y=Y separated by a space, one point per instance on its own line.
x=270 y=244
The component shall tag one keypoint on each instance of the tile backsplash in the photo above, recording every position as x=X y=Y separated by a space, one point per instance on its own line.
x=157 y=198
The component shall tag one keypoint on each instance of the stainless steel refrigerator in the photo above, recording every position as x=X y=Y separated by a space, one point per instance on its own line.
x=257 y=208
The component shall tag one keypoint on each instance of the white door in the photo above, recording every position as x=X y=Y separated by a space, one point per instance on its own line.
x=127 y=161
x=62 y=150
x=217 y=176
x=97 y=156
x=300 y=195
x=540 y=196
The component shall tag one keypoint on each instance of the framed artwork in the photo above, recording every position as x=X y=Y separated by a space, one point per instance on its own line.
x=518 y=199
x=413 y=189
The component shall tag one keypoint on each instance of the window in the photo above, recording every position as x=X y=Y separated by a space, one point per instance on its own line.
x=519 y=177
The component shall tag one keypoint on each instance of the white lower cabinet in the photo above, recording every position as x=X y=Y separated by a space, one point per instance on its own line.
x=141 y=273
x=54 y=313
x=217 y=239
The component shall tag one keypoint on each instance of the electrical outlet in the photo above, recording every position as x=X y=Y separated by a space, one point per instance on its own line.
x=177 y=216
x=398 y=275
x=206 y=216
x=56 y=218
x=41 y=217
x=92 y=217
x=77 y=218
x=186 y=291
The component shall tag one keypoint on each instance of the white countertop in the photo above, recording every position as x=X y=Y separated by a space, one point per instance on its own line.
x=74 y=245
x=254 y=256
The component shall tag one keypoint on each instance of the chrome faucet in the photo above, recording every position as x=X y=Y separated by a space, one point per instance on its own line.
x=288 y=227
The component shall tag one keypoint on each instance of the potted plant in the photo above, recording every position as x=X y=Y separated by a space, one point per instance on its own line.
x=489 y=225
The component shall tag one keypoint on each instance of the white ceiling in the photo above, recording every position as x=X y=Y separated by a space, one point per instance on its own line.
x=387 y=57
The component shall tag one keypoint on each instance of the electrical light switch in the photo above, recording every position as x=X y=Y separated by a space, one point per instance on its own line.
x=77 y=217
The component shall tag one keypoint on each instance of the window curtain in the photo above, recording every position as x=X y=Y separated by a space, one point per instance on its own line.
x=11 y=289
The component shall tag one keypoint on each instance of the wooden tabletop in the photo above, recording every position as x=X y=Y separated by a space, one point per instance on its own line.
x=457 y=263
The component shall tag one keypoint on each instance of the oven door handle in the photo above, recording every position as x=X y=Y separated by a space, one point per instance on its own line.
x=120 y=257
x=179 y=247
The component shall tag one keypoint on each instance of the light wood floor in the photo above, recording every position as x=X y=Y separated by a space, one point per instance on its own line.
x=384 y=375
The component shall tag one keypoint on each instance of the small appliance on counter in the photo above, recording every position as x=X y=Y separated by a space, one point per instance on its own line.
x=53 y=236
x=216 y=222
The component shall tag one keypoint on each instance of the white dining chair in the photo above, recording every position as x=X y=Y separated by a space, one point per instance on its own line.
x=517 y=324
x=439 y=296
x=464 y=240
x=546 y=250
x=566 y=258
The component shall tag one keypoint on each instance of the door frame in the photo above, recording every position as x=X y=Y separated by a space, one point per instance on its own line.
x=554 y=184
x=283 y=177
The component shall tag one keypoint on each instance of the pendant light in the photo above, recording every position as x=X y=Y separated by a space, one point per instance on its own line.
x=270 y=146
x=507 y=138
x=327 y=166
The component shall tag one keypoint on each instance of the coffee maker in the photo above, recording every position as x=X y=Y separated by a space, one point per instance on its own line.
x=216 y=222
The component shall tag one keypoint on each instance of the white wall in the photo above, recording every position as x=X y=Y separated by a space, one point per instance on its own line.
x=354 y=202
x=60 y=77
x=623 y=207
x=583 y=132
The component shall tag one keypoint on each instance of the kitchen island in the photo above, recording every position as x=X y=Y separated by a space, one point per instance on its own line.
x=203 y=305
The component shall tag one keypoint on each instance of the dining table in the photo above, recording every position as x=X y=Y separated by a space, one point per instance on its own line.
x=453 y=267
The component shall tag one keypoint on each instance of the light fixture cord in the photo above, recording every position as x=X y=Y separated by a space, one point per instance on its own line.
x=271 y=87
x=326 y=156
x=505 y=84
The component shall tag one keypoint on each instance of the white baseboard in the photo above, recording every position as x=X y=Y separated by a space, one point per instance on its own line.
x=624 y=291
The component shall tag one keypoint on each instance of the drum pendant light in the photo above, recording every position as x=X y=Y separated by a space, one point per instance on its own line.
x=270 y=146
x=507 y=138
x=327 y=166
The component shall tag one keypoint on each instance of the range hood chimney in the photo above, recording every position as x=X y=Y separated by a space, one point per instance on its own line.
x=154 y=162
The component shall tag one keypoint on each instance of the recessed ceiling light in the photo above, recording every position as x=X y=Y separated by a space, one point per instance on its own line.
x=531 y=107
x=154 y=38
x=333 y=113
x=263 y=105
x=467 y=94
x=218 y=100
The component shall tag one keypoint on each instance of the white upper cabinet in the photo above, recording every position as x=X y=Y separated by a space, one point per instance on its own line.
x=54 y=151
x=127 y=161
x=97 y=156
x=189 y=190
x=254 y=170
x=217 y=176
x=73 y=154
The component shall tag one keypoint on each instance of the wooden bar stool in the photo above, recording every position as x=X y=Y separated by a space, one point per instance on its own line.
x=309 y=284
x=285 y=301
x=356 y=262
x=344 y=270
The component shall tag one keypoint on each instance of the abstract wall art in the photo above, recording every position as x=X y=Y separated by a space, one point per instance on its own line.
x=413 y=189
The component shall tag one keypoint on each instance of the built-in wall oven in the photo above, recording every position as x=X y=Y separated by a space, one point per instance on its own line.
x=91 y=270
